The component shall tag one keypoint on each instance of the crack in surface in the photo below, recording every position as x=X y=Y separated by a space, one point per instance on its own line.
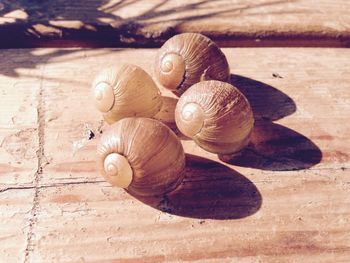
x=40 y=154
x=26 y=187
x=42 y=161
x=46 y=186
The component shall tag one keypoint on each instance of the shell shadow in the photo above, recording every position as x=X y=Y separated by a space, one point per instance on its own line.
x=210 y=190
x=276 y=148
x=167 y=111
x=273 y=147
x=267 y=102
x=167 y=115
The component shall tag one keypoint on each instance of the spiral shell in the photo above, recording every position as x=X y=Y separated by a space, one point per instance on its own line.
x=216 y=115
x=142 y=155
x=125 y=91
x=188 y=58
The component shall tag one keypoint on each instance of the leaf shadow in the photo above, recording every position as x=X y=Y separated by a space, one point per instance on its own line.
x=100 y=23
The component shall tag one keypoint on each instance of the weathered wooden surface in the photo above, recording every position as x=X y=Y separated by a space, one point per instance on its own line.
x=149 y=23
x=18 y=158
x=285 y=199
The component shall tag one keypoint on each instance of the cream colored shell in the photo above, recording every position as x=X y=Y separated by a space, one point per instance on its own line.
x=125 y=91
x=188 y=58
x=216 y=115
x=142 y=155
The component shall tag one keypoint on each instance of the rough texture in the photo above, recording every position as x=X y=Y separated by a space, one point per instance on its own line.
x=151 y=149
x=224 y=113
x=284 y=199
x=19 y=151
x=128 y=91
x=198 y=57
x=149 y=23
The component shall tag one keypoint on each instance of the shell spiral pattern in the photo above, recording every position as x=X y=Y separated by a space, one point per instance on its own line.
x=216 y=115
x=126 y=91
x=153 y=152
x=188 y=58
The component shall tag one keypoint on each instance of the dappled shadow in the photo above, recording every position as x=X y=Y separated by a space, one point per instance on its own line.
x=41 y=11
x=210 y=190
x=26 y=59
x=97 y=23
x=16 y=61
x=102 y=10
x=39 y=25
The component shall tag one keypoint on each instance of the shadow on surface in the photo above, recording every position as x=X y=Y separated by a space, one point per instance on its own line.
x=101 y=23
x=276 y=148
x=210 y=190
x=267 y=102
x=167 y=116
x=18 y=61
x=167 y=112
x=272 y=146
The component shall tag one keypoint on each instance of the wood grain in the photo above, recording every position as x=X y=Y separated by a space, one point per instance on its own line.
x=18 y=122
x=148 y=23
x=15 y=212
x=19 y=146
x=284 y=199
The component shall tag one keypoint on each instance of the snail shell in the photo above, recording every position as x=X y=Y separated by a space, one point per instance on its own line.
x=216 y=115
x=142 y=155
x=125 y=91
x=188 y=58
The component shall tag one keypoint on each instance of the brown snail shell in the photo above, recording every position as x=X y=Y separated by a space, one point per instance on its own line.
x=188 y=58
x=142 y=155
x=126 y=91
x=216 y=115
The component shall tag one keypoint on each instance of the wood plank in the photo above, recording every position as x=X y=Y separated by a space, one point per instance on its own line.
x=19 y=145
x=303 y=217
x=15 y=210
x=149 y=23
x=285 y=199
x=18 y=122
x=293 y=131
